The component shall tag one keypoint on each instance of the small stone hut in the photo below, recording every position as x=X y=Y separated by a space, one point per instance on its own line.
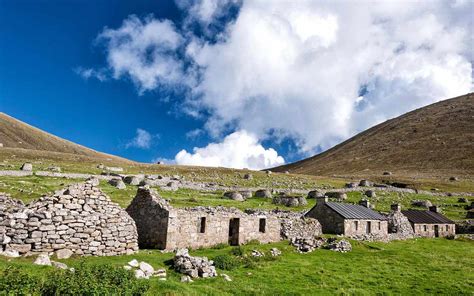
x=430 y=223
x=79 y=218
x=162 y=226
x=348 y=219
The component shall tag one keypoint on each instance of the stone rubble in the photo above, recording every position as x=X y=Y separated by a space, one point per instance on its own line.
x=193 y=266
x=257 y=253
x=117 y=183
x=342 y=245
x=275 y=252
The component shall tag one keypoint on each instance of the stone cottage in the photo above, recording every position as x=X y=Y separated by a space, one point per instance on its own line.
x=430 y=223
x=162 y=226
x=348 y=219
x=79 y=219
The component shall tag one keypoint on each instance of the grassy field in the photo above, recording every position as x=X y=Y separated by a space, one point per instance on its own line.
x=413 y=267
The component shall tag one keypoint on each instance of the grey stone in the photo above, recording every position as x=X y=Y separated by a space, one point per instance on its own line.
x=64 y=253
x=27 y=167
x=43 y=259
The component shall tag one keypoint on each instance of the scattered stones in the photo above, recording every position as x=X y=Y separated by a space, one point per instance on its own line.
x=234 y=195
x=342 y=246
x=265 y=193
x=43 y=259
x=134 y=263
x=139 y=274
x=64 y=253
x=193 y=266
x=248 y=177
x=161 y=273
x=117 y=183
x=307 y=244
x=257 y=253
x=27 y=167
x=275 y=252
x=421 y=203
x=226 y=277
x=10 y=253
x=147 y=269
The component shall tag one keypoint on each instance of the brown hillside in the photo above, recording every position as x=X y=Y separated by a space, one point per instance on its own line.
x=18 y=136
x=436 y=140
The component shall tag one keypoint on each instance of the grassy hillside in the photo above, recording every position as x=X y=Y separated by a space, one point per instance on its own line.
x=436 y=141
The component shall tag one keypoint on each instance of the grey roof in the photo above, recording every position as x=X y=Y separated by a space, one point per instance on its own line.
x=350 y=211
x=426 y=217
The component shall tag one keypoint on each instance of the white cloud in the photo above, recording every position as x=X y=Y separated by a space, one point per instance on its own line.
x=88 y=73
x=143 y=140
x=315 y=71
x=238 y=150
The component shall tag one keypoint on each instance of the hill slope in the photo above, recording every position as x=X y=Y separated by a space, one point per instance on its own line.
x=21 y=138
x=436 y=140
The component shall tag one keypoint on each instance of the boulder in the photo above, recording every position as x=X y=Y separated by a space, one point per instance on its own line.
x=248 y=176
x=275 y=252
x=64 y=253
x=370 y=193
x=59 y=265
x=134 y=263
x=234 y=196
x=186 y=279
x=117 y=183
x=146 y=268
x=246 y=193
x=266 y=193
x=43 y=259
x=315 y=194
x=387 y=173
x=365 y=183
x=93 y=181
x=339 y=196
x=342 y=246
x=10 y=253
x=132 y=180
x=27 y=167
x=139 y=274
x=421 y=203
x=462 y=200
x=351 y=185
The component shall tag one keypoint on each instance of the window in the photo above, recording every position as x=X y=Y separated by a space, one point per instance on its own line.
x=262 y=225
x=424 y=227
x=447 y=227
x=202 y=225
x=356 y=225
x=380 y=226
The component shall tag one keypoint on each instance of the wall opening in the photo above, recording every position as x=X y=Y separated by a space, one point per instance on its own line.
x=436 y=230
x=262 y=225
x=369 y=227
x=356 y=225
x=234 y=225
x=380 y=225
x=447 y=227
x=424 y=227
x=202 y=225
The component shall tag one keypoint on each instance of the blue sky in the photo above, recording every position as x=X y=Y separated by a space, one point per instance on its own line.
x=226 y=83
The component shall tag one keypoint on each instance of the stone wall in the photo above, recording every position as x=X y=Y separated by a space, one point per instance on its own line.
x=428 y=230
x=79 y=218
x=360 y=228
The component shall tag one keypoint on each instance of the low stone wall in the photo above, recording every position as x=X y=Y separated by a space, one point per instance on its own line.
x=80 y=219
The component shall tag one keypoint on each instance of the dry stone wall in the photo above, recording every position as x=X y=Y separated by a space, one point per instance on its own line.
x=79 y=218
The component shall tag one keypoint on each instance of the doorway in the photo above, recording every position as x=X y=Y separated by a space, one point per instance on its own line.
x=234 y=225
x=369 y=227
x=436 y=229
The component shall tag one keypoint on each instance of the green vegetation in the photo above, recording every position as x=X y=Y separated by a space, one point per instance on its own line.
x=422 y=266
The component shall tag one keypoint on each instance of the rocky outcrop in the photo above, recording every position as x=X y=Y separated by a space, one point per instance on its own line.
x=79 y=218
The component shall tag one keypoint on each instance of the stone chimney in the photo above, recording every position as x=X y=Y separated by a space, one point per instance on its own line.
x=322 y=199
x=364 y=203
x=435 y=209
x=396 y=207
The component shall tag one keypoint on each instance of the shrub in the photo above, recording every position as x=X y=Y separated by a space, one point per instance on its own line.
x=14 y=281
x=226 y=262
x=237 y=251
x=94 y=280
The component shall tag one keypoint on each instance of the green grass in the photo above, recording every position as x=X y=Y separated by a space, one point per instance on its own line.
x=413 y=267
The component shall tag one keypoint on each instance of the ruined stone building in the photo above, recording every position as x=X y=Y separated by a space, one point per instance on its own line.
x=348 y=219
x=162 y=226
x=79 y=219
x=430 y=223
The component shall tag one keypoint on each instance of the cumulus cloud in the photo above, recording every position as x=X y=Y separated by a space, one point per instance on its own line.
x=237 y=150
x=314 y=71
x=88 y=73
x=143 y=139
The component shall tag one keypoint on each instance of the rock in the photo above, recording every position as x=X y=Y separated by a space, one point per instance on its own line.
x=246 y=193
x=147 y=268
x=275 y=252
x=139 y=274
x=193 y=266
x=339 y=246
x=161 y=273
x=100 y=166
x=59 y=265
x=307 y=244
x=370 y=193
x=421 y=203
x=27 y=167
x=64 y=253
x=462 y=200
x=186 y=279
x=132 y=180
x=226 y=277
x=10 y=253
x=289 y=201
x=93 y=181
x=265 y=193
x=21 y=248
x=117 y=183
x=387 y=173
x=257 y=253
x=248 y=177
x=351 y=185
x=234 y=196
x=365 y=183
x=127 y=267
x=269 y=172
x=315 y=194
x=134 y=263
x=173 y=186
x=43 y=259
x=453 y=179
x=339 y=196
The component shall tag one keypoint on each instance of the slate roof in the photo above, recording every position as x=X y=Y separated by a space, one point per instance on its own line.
x=426 y=217
x=350 y=211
